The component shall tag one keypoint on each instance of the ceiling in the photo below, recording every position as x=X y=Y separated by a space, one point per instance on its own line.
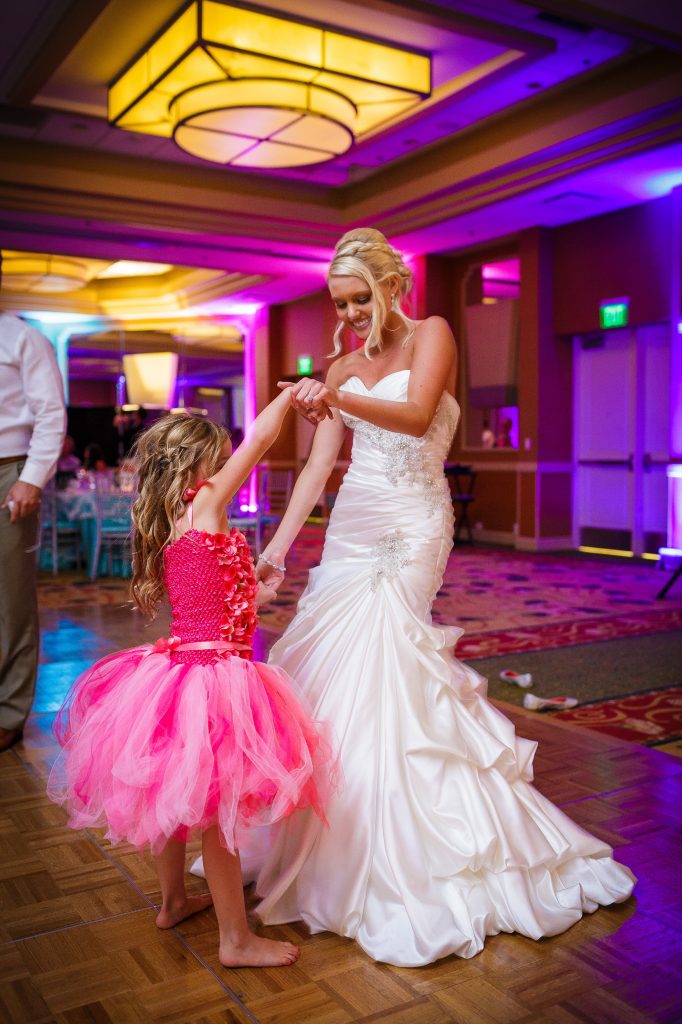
x=540 y=113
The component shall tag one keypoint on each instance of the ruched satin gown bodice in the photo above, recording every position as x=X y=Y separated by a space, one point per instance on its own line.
x=436 y=838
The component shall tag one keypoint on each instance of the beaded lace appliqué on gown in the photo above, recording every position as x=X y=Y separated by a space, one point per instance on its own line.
x=391 y=554
x=416 y=460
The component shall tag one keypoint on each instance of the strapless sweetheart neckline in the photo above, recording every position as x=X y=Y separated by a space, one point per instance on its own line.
x=394 y=373
x=376 y=384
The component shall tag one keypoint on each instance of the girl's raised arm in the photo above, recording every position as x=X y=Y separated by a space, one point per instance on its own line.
x=260 y=436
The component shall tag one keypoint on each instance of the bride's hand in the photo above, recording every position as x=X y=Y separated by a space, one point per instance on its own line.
x=311 y=398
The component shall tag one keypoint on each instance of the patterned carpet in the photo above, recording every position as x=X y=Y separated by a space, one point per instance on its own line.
x=568 y=634
x=651 y=719
x=70 y=589
x=507 y=601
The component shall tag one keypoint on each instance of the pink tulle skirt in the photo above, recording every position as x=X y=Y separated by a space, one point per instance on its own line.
x=154 y=749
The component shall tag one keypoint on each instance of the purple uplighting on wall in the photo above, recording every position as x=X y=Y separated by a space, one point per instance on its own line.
x=662 y=184
x=674 y=544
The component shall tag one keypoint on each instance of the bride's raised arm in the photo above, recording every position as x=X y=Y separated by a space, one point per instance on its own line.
x=435 y=354
x=314 y=475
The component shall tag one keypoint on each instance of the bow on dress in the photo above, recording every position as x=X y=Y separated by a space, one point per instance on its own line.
x=165 y=645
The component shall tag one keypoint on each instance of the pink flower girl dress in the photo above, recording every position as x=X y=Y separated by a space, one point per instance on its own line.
x=162 y=741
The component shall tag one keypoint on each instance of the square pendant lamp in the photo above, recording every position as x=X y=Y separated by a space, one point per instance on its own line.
x=241 y=86
x=150 y=378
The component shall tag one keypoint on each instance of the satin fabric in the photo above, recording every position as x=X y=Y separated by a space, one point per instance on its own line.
x=437 y=838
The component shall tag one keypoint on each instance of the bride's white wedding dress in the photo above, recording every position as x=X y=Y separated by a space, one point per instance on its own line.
x=436 y=838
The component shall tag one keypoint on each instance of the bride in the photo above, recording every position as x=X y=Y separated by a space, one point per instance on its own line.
x=437 y=838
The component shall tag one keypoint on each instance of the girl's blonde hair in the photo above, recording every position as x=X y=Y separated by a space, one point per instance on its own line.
x=169 y=456
x=365 y=253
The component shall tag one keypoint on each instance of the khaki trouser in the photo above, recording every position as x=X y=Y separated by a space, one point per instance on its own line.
x=18 y=608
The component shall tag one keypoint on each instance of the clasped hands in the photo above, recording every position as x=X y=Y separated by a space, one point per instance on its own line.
x=311 y=398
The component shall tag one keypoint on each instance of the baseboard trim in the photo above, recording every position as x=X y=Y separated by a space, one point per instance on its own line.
x=544 y=543
x=506 y=537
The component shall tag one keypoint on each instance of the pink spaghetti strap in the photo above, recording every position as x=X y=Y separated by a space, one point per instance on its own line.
x=188 y=497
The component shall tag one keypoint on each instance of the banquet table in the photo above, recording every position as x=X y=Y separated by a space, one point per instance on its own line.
x=77 y=504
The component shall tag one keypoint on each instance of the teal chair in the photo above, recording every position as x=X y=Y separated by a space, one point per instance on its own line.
x=113 y=531
x=59 y=536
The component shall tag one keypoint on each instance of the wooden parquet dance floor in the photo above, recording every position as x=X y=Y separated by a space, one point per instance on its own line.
x=78 y=941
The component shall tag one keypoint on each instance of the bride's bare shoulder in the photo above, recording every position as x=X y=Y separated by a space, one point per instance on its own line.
x=434 y=324
x=342 y=368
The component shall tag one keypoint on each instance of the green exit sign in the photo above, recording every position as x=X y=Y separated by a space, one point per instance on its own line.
x=614 y=313
x=305 y=365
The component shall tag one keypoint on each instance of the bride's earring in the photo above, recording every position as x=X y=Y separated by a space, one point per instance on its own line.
x=394 y=301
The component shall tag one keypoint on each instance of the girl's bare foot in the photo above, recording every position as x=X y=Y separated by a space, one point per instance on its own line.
x=169 y=916
x=257 y=952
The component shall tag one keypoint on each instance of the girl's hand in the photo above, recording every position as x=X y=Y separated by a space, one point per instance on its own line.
x=312 y=399
x=270 y=577
x=264 y=594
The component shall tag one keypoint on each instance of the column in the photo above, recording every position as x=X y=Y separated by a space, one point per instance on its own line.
x=673 y=547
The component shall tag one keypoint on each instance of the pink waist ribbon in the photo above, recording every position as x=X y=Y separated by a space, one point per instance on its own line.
x=166 y=645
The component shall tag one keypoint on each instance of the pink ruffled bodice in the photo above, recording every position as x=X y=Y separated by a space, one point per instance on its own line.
x=212 y=587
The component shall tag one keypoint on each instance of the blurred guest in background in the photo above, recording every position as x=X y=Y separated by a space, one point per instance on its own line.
x=93 y=458
x=487 y=436
x=32 y=426
x=129 y=425
x=504 y=438
x=68 y=463
x=137 y=422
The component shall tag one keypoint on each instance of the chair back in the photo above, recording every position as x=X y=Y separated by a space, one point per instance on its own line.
x=113 y=512
x=274 y=489
x=47 y=534
x=113 y=525
x=56 y=530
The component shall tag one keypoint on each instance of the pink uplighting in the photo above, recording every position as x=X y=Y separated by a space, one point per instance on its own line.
x=224 y=307
x=250 y=411
x=504 y=270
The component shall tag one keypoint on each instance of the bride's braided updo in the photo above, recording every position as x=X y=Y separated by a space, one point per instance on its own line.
x=365 y=253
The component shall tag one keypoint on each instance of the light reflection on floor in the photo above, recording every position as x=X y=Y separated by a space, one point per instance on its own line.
x=69 y=645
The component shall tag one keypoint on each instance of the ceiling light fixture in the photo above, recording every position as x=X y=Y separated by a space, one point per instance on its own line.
x=242 y=87
x=134 y=268
x=150 y=378
x=44 y=274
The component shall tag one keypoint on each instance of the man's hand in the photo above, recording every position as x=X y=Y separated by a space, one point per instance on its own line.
x=22 y=499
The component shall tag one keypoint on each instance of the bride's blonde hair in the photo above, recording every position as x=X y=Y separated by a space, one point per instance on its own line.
x=169 y=456
x=365 y=253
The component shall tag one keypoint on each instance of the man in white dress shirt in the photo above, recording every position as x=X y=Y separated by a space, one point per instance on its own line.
x=32 y=426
